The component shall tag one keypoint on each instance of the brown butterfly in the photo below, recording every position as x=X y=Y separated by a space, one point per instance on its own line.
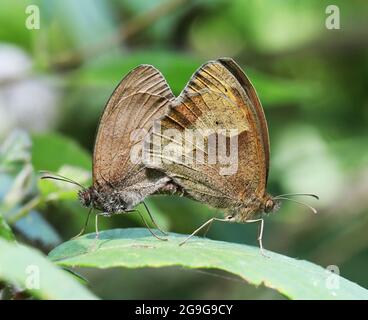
x=218 y=98
x=120 y=184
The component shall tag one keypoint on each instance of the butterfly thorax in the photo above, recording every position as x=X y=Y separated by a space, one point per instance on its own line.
x=107 y=200
x=256 y=207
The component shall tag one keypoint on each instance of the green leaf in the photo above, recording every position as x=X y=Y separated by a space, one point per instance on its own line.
x=5 y=231
x=136 y=248
x=36 y=228
x=19 y=263
x=15 y=152
x=51 y=151
x=16 y=171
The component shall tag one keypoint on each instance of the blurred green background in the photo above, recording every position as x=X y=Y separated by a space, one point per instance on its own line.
x=312 y=82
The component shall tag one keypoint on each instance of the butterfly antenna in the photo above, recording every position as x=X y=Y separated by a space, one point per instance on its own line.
x=55 y=176
x=85 y=225
x=302 y=203
x=153 y=220
x=298 y=194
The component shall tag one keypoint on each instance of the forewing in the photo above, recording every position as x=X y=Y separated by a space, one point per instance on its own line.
x=141 y=97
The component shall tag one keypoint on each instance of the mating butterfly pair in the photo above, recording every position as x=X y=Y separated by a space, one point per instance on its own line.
x=219 y=96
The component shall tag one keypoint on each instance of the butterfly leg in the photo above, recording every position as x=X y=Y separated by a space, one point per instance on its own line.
x=207 y=223
x=153 y=220
x=149 y=229
x=95 y=245
x=207 y=229
x=260 y=234
x=96 y=226
x=146 y=224
x=84 y=227
x=227 y=218
x=109 y=214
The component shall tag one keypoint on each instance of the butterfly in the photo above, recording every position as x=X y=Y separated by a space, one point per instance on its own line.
x=118 y=183
x=220 y=108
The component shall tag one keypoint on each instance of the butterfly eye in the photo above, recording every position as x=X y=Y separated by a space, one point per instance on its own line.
x=269 y=205
x=87 y=199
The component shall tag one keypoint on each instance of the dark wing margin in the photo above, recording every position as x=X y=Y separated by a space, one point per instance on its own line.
x=238 y=73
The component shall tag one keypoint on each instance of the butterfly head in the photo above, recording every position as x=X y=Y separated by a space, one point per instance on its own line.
x=87 y=197
x=270 y=204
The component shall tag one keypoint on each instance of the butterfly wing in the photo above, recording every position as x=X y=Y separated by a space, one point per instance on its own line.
x=141 y=97
x=219 y=96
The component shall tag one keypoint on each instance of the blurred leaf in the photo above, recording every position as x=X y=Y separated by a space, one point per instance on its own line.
x=15 y=152
x=310 y=165
x=279 y=91
x=178 y=68
x=213 y=35
x=281 y=17
x=52 y=151
x=136 y=248
x=21 y=187
x=165 y=28
x=36 y=228
x=253 y=20
x=5 y=231
x=16 y=171
x=74 y=19
x=12 y=18
x=108 y=71
x=19 y=262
